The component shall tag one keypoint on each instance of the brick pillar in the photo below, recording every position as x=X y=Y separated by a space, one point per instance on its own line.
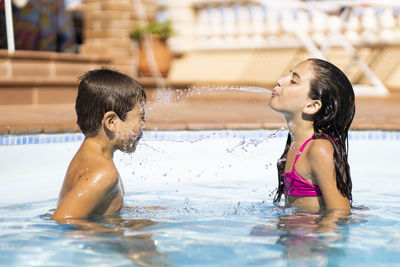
x=107 y=24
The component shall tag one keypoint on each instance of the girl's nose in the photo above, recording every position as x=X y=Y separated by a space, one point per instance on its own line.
x=279 y=83
x=282 y=81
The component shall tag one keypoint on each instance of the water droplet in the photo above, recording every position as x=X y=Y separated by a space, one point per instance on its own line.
x=281 y=160
x=272 y=192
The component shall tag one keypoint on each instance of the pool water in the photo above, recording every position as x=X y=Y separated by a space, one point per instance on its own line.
x=213 y=190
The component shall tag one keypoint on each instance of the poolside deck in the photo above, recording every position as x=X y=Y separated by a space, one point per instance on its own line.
x=198 y=113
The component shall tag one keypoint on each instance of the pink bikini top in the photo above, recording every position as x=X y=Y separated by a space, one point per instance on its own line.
x=295 y=185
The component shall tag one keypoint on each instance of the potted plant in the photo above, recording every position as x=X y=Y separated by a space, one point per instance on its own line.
x=155 y=57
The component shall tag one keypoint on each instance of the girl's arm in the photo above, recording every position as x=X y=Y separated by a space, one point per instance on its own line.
x=323 y=170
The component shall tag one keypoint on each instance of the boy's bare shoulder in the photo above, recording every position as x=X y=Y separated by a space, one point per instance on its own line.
x=98 y=166
x=96 y=176
x=93 y=166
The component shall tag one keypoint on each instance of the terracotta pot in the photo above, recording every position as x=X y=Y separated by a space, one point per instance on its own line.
x=155 y=57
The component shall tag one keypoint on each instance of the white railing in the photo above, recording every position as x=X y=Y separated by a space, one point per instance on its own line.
x=267 y=23
x=315 y=25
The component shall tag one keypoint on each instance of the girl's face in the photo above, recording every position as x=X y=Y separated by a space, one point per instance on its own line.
x=290 y=95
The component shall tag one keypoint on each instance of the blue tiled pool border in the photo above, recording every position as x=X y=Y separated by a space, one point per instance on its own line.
x=12 y=140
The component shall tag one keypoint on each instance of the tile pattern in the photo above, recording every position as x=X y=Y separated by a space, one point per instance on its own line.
x=190 y=136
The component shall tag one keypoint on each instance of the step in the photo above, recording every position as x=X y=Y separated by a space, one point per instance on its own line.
x=47 y=64
x=23 y=91
x=37 y=91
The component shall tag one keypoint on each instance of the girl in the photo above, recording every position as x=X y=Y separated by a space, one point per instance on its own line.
x=317 y=101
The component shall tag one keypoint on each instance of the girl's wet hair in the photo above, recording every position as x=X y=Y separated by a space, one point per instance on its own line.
x=332 y=122
x=104 y=90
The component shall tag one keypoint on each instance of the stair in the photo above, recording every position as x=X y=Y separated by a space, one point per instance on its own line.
x=36 y=77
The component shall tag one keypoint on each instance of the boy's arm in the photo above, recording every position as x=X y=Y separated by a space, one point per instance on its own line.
x=83 y=198
x=323 y=170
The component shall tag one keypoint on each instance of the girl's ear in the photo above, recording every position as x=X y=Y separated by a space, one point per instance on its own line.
x=110 y=119
x=312 y=107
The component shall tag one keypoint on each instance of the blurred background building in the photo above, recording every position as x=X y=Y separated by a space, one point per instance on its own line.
x=254 y=42
x=221 y=42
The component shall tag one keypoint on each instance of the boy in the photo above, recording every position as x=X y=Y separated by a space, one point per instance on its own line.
x=110 y=111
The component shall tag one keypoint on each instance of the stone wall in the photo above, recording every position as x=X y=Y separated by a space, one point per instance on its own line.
x=107 y=24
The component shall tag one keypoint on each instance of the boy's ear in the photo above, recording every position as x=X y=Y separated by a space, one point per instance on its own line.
x=110 y=121
x=312 y=107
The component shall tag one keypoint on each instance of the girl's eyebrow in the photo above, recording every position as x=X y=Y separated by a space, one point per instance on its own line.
x=297 y=75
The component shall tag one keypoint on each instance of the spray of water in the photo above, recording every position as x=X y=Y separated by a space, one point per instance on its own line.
x=173 y=96
x=252 y=89
x=245 y=143
x=169 y=95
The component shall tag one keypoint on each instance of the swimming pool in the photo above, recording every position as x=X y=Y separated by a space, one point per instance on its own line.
x=217 y=187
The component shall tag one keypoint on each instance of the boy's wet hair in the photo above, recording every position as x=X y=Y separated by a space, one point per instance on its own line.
x=104 y=90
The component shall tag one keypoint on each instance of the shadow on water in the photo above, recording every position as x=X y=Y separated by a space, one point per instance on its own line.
x=116 y=234
x=310 y=237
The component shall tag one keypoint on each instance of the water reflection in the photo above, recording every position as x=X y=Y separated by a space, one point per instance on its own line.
x=115 y=234
x=309 y=237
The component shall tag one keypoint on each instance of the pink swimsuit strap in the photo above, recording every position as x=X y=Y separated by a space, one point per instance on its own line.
x=294 y=184
x=301 y=150
x=330 y=137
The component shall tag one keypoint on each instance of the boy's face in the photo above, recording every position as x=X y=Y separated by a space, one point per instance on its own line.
x=129 y=131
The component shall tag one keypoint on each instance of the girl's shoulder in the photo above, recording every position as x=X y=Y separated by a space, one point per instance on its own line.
x=320 y=150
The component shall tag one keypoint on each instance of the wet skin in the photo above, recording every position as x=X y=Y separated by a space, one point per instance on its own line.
x=92 y=186
x=315 y=165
